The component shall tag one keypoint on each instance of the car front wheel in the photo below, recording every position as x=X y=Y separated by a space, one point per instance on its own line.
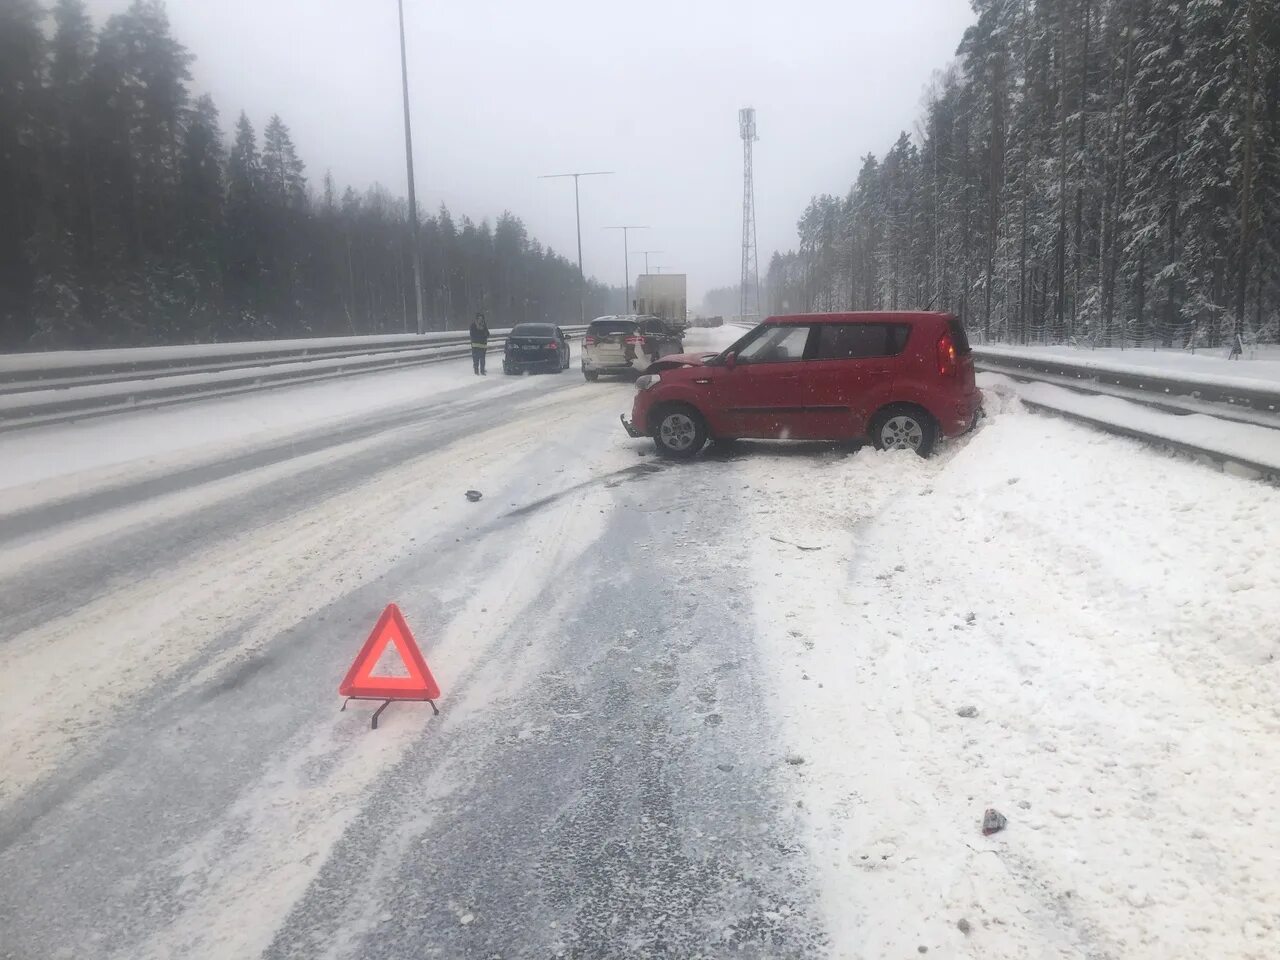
x=904 y=428
x=679 y=432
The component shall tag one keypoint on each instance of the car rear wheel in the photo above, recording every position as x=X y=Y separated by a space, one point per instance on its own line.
x=679 y=432
x=590 y=375
x=904 y=428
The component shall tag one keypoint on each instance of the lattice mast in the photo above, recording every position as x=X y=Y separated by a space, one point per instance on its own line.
x=750 y=285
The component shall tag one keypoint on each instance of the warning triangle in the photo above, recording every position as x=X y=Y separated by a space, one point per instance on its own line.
x=360 y=682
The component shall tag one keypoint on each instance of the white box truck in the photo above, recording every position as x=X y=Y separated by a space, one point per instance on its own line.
x=662 y=295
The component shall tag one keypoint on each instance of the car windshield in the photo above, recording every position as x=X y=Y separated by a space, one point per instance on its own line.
x=774 y=344
x=639 y=481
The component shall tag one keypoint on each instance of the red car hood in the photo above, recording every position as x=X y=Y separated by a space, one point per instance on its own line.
x=684 y=359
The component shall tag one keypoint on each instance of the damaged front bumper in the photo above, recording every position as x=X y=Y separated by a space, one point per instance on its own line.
x=628 y=426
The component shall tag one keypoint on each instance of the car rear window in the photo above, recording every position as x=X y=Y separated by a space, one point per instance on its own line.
x=960 y=337
x=533 y=330
x=852 y=341
x=598 y=327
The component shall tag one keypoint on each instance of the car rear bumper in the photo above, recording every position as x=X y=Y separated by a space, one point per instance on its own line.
x=626 y=366
x=962 y=415
x=519 y=363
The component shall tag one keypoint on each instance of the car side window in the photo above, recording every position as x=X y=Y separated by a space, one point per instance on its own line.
x=776 y=344
x=855 y=341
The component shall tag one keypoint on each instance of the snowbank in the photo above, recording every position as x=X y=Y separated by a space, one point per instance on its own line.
x=1111 y=614
x=1249 y=442
x=1259 y=371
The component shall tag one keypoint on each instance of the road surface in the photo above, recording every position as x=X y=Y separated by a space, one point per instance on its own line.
x=688 y=710
x=598 y=782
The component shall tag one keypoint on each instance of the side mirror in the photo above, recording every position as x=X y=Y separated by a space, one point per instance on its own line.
x=730 y=360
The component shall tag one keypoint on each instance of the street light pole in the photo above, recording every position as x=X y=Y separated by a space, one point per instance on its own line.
x=646 y=257
x=626 y=257
x=408 y=160
x=577 y=215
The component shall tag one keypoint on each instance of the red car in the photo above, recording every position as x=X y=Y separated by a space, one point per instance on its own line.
x=902 y=379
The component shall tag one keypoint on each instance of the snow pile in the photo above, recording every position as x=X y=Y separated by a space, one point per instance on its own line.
x=1061 y=625
x=1260 y=366
x=1249 y=442
x=213 y=429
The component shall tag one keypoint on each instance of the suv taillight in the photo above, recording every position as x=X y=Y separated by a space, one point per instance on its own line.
x=946 y=356
x=588 y=341
x=635 y=340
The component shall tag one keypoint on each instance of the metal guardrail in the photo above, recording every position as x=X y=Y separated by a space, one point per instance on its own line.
x=1259 y=469
x=1219 y=396
x=1226 y=398
x=67 y=385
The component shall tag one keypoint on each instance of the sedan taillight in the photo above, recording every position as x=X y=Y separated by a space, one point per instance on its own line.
x=552 y=346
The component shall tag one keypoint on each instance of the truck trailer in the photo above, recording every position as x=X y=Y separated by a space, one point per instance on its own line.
x=662 y=295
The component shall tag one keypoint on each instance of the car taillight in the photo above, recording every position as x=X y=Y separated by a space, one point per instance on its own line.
x=946 y=356
x=635 y=340
x=552 y=346
x=588 y=341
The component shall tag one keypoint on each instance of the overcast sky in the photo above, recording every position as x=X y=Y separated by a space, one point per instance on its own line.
x=504 y=90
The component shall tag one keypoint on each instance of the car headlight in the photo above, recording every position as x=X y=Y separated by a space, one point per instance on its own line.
x=647 y=381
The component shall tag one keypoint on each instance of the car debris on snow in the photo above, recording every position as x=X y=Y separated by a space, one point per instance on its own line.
x=474 y=495
x=993 y=821
x=798 y=546
x=968 y=711
x=963 y=926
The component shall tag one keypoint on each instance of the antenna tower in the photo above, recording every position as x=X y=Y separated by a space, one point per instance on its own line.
x=750 y=286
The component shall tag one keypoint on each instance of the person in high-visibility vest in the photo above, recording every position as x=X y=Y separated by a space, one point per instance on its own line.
x=479 y=344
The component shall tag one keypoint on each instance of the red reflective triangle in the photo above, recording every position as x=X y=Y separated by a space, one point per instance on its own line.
x=418 y=685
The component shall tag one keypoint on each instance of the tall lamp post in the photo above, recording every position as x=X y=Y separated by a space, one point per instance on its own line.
x=408 y=160
x=626 y=257
x=577 y=215
x=646 y=257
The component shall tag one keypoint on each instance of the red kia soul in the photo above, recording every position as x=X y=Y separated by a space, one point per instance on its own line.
x=902 y=379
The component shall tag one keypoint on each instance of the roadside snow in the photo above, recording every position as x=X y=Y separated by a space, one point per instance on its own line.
x=1111 y=614
x=1248 y=441
x=110 y=449
x=216 y=426
x=1260 y=368
x=38 y=361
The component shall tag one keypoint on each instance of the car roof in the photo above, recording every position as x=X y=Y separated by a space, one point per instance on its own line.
x=863 y=316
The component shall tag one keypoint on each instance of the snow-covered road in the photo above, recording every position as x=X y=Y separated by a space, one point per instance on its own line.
x=689 y=710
